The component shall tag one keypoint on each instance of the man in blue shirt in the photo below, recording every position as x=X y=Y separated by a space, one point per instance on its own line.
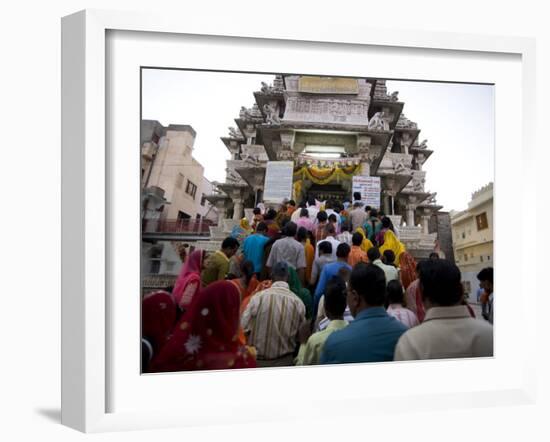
x=339 y=267
x=373 y=334
x=253 y=246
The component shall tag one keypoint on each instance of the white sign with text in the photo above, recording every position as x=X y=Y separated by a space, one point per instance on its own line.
x=369 y=187
x=278 y=181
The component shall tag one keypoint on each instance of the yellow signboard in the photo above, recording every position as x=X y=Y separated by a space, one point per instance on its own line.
x=328 y=85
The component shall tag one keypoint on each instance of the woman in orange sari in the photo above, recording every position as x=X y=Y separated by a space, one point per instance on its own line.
x=407 y=268
x=206 y=336
x=304 y=237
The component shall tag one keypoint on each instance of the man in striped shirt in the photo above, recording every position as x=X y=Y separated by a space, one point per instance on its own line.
x=272 y=320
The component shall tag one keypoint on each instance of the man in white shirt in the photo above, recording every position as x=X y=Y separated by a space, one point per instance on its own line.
x=289 y=250
x=390 y=272
x=331 y=237
x=312 y=209
x=358 y=216
x=448 y=330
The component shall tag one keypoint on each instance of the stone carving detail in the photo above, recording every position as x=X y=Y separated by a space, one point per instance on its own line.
x=327 y=110
x=418 y=185
x=379 y=122
x=272 y=114
x=232 y=177
x=278 y=84
x=251 y=114
x=405 y=123
x=254 y=154
x=285 y=155
x=431 y=199
x=276 y=88
x=399 y=166
x=233 y=133
x=423 y=145
x=394 y=96
x=380 y=91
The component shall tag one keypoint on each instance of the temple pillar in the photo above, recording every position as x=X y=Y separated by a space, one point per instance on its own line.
x=363 y=149
x=410 y=215
x=425 y=224
x=220 y=206
x=387 y=203
x=237 y=209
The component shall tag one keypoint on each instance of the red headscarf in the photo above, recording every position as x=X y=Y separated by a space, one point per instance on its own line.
x=158 y=316
x=189 y=280
x=206 y=337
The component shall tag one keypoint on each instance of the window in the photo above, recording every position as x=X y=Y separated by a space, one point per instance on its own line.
x=203 y=199
x=480 y=258
x=481 y=221
x=465 y=257
x=179 y=181
x=183 y=215
x=463 y=235
x=191 y=189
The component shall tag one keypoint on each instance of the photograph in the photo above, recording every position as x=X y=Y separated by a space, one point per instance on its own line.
x=292 y=219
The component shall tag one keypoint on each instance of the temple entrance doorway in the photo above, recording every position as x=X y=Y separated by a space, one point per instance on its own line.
x=325 y=192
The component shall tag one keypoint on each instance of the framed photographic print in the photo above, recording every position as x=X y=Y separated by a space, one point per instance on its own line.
x=185 y=144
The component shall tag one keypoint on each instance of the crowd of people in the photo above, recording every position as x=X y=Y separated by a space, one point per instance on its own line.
x=322 y=283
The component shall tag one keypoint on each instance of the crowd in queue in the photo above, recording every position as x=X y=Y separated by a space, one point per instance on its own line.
x=322 y=283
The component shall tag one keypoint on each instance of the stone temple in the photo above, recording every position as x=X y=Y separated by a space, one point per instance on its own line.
x=331 y=128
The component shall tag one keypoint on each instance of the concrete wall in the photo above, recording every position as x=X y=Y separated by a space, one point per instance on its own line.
x=208 y=211
x=473 y=248
x=440 y=223
x=173 y=167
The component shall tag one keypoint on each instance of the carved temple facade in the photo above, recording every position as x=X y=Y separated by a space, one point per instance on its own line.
x=332 y=128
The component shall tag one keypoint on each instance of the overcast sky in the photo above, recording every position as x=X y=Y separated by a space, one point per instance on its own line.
x=457 y=120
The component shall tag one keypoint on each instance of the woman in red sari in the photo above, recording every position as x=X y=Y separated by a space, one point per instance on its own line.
x=189 y=280
x=158 y=317
x=206 y=337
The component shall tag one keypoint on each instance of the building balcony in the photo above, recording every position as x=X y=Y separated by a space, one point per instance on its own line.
x=178 y=226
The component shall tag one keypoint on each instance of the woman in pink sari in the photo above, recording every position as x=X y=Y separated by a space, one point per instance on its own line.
x=189 y=280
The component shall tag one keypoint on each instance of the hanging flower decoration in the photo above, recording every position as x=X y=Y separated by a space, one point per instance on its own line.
x=325 y=175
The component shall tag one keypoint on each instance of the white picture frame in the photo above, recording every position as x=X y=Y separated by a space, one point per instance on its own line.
x=88 y=168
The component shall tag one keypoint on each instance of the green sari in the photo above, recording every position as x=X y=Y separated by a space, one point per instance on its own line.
x=296 y=287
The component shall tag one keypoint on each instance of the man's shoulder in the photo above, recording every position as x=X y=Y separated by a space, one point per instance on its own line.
x=337 y=337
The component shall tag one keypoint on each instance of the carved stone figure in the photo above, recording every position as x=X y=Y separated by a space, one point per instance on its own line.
x=399 y=166
x=431 y=198
x=418 y=185
x=265 y=88
x=242 y=112
x=278 y=84
x=394 y=96
x=423 y=145
x=233 y=133
x=271 y=113
x=232 y=176
x=379 y=122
